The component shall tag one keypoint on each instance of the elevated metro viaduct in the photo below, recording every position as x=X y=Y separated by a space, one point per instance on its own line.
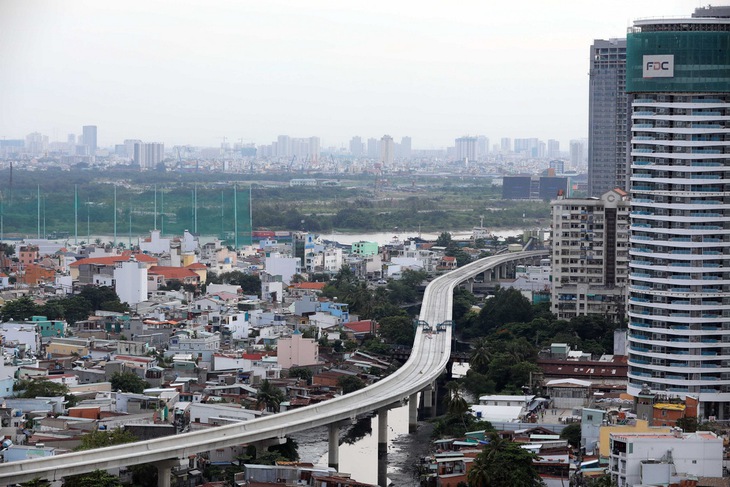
x=428 y=359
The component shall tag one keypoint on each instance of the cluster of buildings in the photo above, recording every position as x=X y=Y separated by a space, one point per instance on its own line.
x=202 y=350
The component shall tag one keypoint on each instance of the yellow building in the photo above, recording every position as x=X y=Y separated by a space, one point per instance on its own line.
x=641 y=426
x=56 y=349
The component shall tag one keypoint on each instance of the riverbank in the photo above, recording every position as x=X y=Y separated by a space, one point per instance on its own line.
x=404 y=453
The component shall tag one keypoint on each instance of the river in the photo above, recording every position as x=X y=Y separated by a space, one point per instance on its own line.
x=383 y=238
x=360 y=459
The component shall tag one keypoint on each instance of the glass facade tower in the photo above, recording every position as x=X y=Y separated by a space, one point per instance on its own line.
x=608 y=109
x=678 y=80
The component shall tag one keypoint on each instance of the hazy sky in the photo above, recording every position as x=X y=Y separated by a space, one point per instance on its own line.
x=194 y=71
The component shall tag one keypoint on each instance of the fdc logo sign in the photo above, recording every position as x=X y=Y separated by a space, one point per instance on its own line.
x=659 y=66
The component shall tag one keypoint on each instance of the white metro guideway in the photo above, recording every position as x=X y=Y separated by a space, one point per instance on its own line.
x=426 y=362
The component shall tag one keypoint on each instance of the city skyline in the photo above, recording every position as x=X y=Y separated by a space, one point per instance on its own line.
x=252 y=72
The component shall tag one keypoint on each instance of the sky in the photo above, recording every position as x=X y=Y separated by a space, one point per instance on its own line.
x=196 y=71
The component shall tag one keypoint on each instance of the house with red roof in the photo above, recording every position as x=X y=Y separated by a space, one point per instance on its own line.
x=183 y=275
x=301 y=289
x=87 y=271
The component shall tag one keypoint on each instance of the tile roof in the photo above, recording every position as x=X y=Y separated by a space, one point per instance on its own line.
x=113 y=259
x=172 y=272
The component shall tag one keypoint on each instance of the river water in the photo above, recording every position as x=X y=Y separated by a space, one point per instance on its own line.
x=360 y=459
x=383 y=238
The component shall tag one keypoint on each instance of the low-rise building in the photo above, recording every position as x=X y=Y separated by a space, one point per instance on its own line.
x=661 y=459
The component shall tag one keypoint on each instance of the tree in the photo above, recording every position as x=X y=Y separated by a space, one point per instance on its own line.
x=128 y=382
x=503 y=463
x=572 y=434
x=301 y=373
x=480 y=355
x=36 y=482
x=20 y=309
x=397 y=330
x=40 y=388
x=443 y=240
x=350 y=383
x=269 y=396
x=101 y=439
x=456 y=405
x=97 y=478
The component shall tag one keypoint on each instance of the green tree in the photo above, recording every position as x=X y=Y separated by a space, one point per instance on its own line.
x=443 y=240
x=506 y=306
x=688 y=424
x=36 y=482
x=480 y=355
x=301 y=373
x=456 y=404
x=128 y=382
x=503 y=463
x=19 y=309
x=101 y=439
x=572 y=434
x=350 y=383
x=40 y=388
x=97 y=478
x=397 y=330
x=269 y=396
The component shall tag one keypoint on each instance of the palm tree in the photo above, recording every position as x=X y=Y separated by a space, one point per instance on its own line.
x=269 y=396
x=456 y=404
x=478 y=475
x=481 y=355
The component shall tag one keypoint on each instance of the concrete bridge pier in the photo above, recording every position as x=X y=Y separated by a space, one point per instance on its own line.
x=333 y=447
x=434 y=399
x=164 y=471
x=413 y=413
x=383 y=447
x=427 y=399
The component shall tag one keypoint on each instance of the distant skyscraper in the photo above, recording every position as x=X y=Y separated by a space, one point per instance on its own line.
x=129 y=146
x=373 y=148
x=89 y=132
x=314 y=149
x=608 y=128
x=553 y=149
x=283 y=146
x=356 y=147
x=482 y=146
x=387 y=151
x=405 y=147
x=529 y=147
x=466 y=149
x=36 y=143
x=506 y=145
x=577 y=150
x=148 y=155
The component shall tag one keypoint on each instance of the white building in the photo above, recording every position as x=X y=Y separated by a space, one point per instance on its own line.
x=590 y=255
x=662 y=458
x=155 y=244
x=130 y=282
x=286 y=267
x=679 y=296
x=219 y=414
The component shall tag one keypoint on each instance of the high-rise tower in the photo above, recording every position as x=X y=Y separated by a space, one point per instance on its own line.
x=678 y=78
x=89 y=132
x=607 y=117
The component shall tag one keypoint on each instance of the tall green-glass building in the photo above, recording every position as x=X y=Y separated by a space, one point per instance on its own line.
x=678 y=81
